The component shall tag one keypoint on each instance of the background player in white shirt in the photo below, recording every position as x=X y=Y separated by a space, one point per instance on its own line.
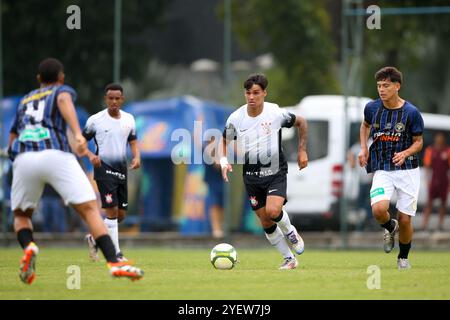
x=112 y=129
x=257 y=128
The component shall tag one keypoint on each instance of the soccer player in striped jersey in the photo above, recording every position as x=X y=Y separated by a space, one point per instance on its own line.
x=396 y=127
x=40 y=151
x=257 y=128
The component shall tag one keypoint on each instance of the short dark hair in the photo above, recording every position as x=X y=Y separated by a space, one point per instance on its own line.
x=49 y=70
x=258 y=79
x=389 y=73
x=113 y=86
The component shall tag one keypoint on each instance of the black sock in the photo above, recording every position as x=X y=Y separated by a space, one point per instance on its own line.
x=278 y=219
x=25 y=236
x=404 y=250
x=389 y=226
x=271 y=229
x=106 y=245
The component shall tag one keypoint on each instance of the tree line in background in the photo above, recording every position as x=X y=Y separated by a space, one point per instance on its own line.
x=34 y=30
x=419 y=45
x=302 y=36
x=298 y=34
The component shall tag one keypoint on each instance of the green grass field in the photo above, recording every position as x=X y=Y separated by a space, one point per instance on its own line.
x=187 y=274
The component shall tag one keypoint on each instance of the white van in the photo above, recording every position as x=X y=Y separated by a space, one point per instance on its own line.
x=313 y=194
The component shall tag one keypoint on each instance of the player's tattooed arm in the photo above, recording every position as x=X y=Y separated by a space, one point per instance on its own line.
x=302 y=157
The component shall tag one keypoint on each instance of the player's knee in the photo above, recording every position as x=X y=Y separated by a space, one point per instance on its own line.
x=379 y=209
x=112 y=213
x=86 y=208
x=23 y=214
x=404 y=220
x=272 y=212
x=266 y=223
x=121 y=215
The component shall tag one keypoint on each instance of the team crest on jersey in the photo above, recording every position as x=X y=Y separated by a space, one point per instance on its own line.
x=253 y=201
x=266 y=127
x=108 y=198
x=399 y=127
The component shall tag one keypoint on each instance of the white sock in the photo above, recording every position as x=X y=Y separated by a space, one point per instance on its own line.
x=285 y=224
x=278 y=240
x=113 y=230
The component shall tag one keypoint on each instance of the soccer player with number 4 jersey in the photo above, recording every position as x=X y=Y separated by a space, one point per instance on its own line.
x=40 y=151
x=396 y=127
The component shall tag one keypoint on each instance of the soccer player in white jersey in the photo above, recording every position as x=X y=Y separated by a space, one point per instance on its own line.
x=112 y=129
x=40 y=151
x=256 y=127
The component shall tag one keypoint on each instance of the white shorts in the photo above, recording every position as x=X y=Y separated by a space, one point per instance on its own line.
x=405 y=182
x=31 y=170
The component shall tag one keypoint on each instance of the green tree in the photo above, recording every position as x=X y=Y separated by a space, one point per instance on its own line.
x=33 y=30
x=297 y=33
x=418 y=45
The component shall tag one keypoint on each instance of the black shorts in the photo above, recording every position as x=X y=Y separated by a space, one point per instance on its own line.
x=113 y=194
x=258 y=188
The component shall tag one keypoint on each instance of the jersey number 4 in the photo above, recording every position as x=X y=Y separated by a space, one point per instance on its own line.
x=35 y=109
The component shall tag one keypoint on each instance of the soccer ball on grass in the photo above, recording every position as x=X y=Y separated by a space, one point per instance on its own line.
x=223 y=256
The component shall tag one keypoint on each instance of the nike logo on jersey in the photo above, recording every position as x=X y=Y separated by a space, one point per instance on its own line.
x=243 y=130
x=124 y=204
x=270 y=191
